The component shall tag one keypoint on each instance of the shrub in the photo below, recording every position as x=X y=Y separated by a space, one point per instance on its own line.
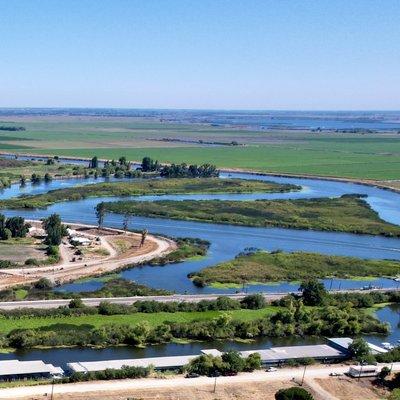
x=293 y=393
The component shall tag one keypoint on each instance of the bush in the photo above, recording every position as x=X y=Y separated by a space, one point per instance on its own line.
x=43 y=284
x=253 y=301
x=293 y=393
x=5 y=234
x=32 y=261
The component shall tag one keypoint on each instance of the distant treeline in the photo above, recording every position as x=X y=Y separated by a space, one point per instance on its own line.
x=182 y=170
x=11 y=128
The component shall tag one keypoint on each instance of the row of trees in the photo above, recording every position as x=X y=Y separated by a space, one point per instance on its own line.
x=179 y=170
x=296 y=320
x=76 y=307
x=229 y=363
x=13 y=227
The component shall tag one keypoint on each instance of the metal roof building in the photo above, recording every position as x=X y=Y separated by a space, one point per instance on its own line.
x=282 y=354
x=156 y=362
x=15 y=369
x=344 y=343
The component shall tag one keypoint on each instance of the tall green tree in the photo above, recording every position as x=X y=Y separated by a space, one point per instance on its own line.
x=314 y=292
x=17 y=226
x=55 y=230
x=359 y=349
x=100 y=214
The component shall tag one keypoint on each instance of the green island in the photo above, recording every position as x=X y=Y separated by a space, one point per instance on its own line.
x=348 y=213
x=14 y=170
x=147 y=187
x=262 y=266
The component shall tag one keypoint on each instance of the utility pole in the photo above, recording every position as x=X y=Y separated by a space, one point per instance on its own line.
x=52 y=390
x=304 y=374
x=215 y=382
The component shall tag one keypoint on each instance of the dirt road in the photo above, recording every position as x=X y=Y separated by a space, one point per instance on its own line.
x=285 y=375
x=67 y=270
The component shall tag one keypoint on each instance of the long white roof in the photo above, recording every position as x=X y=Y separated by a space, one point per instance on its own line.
x=16 y=367
x=157 y=362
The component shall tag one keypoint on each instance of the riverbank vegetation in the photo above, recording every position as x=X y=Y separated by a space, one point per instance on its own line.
x=261 y=266
x=22 y=171
x=149 y=322
x=348 y=213
x=147 y=187
x=140 y=329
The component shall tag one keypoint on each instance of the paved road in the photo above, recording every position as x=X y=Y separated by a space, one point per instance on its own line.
x=284 y=374
x=11 y=305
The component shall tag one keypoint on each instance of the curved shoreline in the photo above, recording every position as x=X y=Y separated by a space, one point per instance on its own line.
x=365 y=182
x=64 y=271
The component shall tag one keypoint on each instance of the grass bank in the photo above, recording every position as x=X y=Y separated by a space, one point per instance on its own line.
x=87 y=322
x=280 y=266
x=147 y=187
x=345 y=214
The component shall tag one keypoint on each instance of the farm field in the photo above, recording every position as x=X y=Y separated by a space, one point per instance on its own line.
x=368 y=156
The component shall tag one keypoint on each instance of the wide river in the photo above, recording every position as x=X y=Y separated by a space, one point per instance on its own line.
x=226 y=242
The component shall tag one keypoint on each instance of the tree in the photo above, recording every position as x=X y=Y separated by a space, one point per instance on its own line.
x=43 y=284
x=384 y=373
x=314 y=292
x=55 y=230
x=253 y=301
x=252 y=362
x=2 y=221
x=293 y=393
x=359 y=349
x=233 y=362
x=76 y=303
x=94 y=162
x=100 y=213
x=144 y=235
x=22 y=180
x=125 y=222
x=47 y=177
x=17 y=226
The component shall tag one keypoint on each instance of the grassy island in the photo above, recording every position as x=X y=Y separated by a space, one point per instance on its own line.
x=261 y=266
x=345 y=214
x=148 y=187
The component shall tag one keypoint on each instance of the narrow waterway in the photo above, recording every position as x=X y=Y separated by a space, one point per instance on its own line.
x=227 y=240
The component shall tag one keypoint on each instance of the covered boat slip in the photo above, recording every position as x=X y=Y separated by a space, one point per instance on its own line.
x=15 y=369
x=274 y=355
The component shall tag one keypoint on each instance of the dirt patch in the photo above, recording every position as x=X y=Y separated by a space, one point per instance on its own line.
x=253 y=391
x=352 y=389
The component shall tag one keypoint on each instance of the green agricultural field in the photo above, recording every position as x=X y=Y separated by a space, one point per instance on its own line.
x=279 y=266
x=147 y=187
x=86 y=322
x=344 y=214
x=367 y=156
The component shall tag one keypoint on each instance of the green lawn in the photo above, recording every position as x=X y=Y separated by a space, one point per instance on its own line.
x=90 y=321
x=345 y=214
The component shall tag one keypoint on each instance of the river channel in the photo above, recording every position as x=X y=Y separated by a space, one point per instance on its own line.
x=226 y=242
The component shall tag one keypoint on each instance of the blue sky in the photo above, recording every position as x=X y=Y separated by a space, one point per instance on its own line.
x=250 y=54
